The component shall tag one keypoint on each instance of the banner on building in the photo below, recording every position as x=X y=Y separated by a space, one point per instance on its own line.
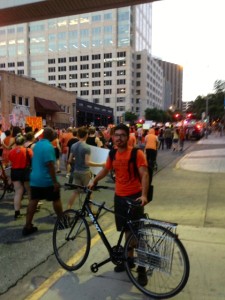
x=34 y=122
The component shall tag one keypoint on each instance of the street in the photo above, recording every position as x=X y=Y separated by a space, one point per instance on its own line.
x=194 y=200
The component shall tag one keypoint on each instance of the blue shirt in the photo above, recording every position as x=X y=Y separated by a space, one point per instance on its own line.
x=43 y=152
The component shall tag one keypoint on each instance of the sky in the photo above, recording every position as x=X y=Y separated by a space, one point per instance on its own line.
x=191 y=33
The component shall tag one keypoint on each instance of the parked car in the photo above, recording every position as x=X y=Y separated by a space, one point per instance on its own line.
x=194 y=132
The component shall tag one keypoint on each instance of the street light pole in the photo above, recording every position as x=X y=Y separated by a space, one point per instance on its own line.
x=206 y=113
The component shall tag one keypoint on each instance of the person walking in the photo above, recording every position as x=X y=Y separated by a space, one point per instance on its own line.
x=93 y=139
x=43 y=181
x=175 y=139
x=128 y=184
x=20 y=158
x=181 y=138
x=161 y=138
x=168 y=137
x=80 y=156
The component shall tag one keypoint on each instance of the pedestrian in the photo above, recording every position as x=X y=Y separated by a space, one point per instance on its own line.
x=20 y=158
x=128 y=184
x=161 y=138
x=64 y=139
x=181 y=138
x=93 y=139
x=43 y=181
x=69 y=145
x=175 y=139
x=57 y=149
x=80 y=153
x=168 y=135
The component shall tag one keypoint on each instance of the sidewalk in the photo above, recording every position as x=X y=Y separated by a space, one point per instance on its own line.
x=207 y=161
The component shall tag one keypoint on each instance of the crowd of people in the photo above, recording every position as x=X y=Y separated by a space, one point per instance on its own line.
x=36 y=157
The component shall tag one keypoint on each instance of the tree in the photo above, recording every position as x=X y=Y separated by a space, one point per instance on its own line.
x=219 y=86
x=157 y=115
x=130 y=116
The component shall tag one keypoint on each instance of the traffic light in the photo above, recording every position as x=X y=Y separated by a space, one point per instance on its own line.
x=189 y=115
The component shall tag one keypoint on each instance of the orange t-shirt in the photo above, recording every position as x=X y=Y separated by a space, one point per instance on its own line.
x=64 y=141
x=132 y=140
x=126 y=183
x=18 y=157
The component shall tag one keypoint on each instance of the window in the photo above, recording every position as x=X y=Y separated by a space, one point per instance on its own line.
x=84 y=84
x=2 y=66
x=121 y=81
x=20 y=102
x=138 y=57
x=72 y=58
x=62 y=60
x=84 y=75
x=62 y=77
x=84 y=58
x=84 y=67
x=121 y=63
x=84 y=93
x=138 y=83
x=73 y=76
x=26 y=102
x=96 y=74
x=107 y=55
x=138 y=75
x=20 y=72
x=13 y=99
x=120 y=108
x=96 y=101
x=96 y=18
x=107 y=82
x=96 y=83
x=11 y=65
x=96 y=56
x=120 y=99
x=73 y=84
x=73 y=68
x=107 y=92
x=96 y=92
x=108 y=16
x=121 y=73
x=121 y=54
x=20 y=64
x=108 y=64
x=107 y=73
x=51 y=78
x=138 y=66
x=52 y=69
x=121 y=91
x=51 y=61
x=62 y=69
x=96 y=66
x=107 y=100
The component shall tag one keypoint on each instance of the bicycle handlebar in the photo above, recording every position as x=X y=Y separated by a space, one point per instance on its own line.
x=83 y=187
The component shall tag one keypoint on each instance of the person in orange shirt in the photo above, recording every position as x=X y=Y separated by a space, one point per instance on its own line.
x=64 y=139
x=20 y=158
x=128 y=184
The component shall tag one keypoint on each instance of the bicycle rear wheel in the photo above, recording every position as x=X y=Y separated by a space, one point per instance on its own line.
x=167 y=274
x=71 y=240
x=2 y=187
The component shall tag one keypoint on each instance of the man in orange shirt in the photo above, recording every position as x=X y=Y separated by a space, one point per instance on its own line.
x=64 y=139
x=128 y=184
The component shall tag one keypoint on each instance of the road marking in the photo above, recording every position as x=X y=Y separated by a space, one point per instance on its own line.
x=44 y=287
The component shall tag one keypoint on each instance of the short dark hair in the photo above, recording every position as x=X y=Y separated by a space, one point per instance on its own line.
x=82 y=132
x=123 y=127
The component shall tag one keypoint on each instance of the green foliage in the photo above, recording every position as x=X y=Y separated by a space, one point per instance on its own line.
x=157 y=115
x=215 y=103
x=130 y=116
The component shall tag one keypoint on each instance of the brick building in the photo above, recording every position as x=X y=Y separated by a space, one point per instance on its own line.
x=21 y=96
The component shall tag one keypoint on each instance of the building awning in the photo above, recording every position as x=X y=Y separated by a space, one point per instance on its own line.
x=46 y=105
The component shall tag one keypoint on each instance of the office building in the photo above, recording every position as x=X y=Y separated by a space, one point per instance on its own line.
x=95 y=55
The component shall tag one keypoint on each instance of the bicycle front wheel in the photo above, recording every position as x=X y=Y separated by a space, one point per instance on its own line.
x=160 y=262
x=71 y=240
x=2 y=187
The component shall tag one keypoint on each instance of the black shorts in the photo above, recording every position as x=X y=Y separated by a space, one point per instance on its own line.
x=57 y=154
x=48 y=193
x=20 y=175
x=121 y=208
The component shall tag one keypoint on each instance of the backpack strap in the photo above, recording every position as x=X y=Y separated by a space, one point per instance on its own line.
x=133 y=160
x=112 y=154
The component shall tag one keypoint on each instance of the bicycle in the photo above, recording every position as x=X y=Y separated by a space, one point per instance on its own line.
x=5 y=182
x=156 y=248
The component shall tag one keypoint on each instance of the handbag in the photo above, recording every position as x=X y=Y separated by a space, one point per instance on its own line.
x=150 y=193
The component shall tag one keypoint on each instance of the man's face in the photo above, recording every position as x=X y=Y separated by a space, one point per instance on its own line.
x=120 y=138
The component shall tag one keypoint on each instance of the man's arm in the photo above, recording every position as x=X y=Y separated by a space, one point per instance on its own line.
x=51 y=169
x=98 y=177
x=143 y=173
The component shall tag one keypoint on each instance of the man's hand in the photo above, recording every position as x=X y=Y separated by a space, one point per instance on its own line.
x=143 y=200
x=91 y=185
